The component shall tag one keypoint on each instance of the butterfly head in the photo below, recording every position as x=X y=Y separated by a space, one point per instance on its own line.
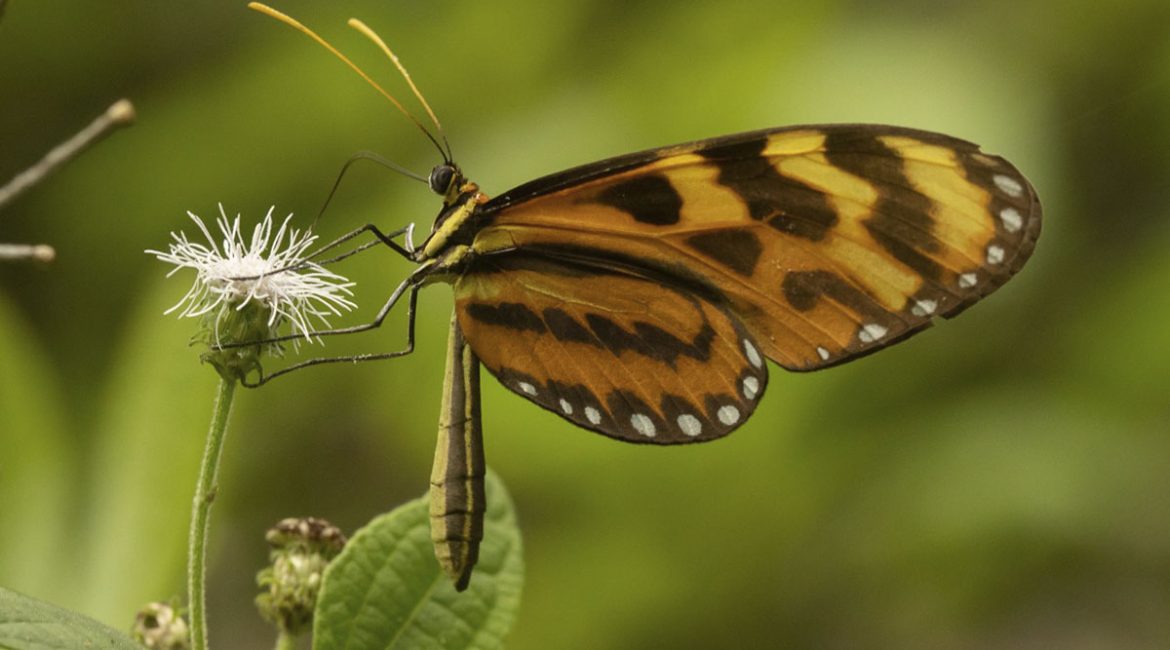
x=445 y=180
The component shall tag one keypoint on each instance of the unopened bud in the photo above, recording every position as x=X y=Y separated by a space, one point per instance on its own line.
x=301 y=550
x=159 y=627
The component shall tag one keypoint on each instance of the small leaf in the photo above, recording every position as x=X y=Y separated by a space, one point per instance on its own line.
x=386 y=589
x=29 y=624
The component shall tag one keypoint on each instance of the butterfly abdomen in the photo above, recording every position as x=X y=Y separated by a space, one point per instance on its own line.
x=457 y=499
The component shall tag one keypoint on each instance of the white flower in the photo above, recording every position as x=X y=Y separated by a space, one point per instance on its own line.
x=269 y=271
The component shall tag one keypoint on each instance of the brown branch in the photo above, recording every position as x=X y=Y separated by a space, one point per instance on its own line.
x=121 y=113
x=35 y=252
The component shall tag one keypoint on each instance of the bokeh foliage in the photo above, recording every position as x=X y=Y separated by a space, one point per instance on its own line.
x=998 y=481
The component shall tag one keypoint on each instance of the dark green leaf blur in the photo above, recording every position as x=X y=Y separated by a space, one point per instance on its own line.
x=998 y=481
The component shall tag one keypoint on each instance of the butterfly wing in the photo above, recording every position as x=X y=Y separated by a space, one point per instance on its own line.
x=634 y=357
x=826 y=242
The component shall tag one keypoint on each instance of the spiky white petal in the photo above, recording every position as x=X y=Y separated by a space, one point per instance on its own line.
x=270 y=269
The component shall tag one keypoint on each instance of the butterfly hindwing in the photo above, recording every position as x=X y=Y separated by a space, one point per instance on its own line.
x=828 y=242
x=632 y=357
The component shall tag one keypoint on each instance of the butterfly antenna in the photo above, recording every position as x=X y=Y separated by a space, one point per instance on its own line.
x=373 y=36
x=292 y=22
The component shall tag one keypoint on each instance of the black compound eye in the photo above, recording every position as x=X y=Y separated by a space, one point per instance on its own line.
x=441 y=178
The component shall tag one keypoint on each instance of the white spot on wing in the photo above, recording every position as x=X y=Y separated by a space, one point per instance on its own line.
x=994 y=254
x=593 y=415
x=566 y=407
x=527 y=388
x=753 y=355
x=728 y=415
x=923 y=307
x=751 y=387
x=822 y=353
x=1012 y=221
x=871 y=332
x=967 y=280
x=690 y=424
x=1008 y=185
x=643 y=424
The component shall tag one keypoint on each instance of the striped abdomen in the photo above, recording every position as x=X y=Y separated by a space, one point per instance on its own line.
x=457 y=488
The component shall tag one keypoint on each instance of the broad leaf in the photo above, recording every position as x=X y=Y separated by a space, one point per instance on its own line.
x=30 y=624
x=386 y=589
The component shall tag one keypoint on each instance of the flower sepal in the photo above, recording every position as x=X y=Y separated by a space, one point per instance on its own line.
x=250 y=322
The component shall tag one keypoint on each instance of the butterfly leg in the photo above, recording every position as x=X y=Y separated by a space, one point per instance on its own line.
x=413 y=283
x=407 y=285
x=386 y=239
x=382 y=238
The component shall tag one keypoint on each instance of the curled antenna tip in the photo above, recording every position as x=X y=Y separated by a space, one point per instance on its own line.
x=365 y=29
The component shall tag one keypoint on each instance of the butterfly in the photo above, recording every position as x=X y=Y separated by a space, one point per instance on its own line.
x=641 y=296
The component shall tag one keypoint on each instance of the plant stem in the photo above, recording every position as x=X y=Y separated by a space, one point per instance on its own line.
x=285 y=641
x=121 y=113
x=201 y=514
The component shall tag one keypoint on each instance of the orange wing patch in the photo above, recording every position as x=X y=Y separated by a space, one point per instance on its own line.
x=827 y=242
x=631 y=357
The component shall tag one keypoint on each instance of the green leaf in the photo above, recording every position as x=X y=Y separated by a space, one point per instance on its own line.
x=30 y=624
x=386 y=589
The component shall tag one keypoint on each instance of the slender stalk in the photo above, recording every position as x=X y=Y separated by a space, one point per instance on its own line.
x=20 y=252
x=120 y=113
x=201 y=514
x=286 y=641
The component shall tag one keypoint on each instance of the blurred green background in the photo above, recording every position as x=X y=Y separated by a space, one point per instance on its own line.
x=1000 y=481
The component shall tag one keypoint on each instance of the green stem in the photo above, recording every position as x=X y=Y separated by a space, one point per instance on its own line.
x=285 y=641
x=201 y=514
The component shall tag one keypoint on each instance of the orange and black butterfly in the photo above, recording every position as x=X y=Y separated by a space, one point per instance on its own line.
x=640 y=296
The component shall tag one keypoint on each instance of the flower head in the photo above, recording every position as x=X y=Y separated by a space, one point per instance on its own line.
x=159 y=627
x=246 y=290
x=301 y=551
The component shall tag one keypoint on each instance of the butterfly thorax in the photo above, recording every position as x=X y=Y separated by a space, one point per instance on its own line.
x=455 y=224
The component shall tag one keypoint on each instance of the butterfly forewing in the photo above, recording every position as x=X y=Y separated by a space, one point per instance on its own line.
x=635 y=358
x=827 y=242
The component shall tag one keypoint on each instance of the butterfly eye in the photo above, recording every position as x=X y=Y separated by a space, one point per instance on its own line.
x=441 y=178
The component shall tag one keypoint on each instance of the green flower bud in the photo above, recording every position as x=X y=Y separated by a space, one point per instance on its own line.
x=301 y=550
